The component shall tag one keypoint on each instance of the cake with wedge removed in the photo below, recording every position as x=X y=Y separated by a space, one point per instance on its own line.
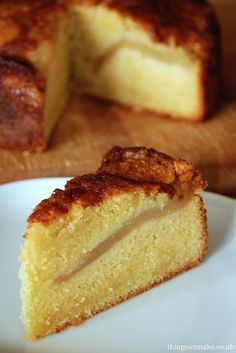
x=138 y=221
x=159 y=55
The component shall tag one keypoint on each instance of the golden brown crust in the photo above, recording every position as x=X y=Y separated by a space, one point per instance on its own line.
x=90 y=190
x=21 y=106
x=149 y=165
x=24 y=24
x=123 y=170
x=188 y=23
x=176 y=22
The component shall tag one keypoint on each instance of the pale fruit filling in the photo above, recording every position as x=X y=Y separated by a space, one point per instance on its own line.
x=115 y=59
x=134 y=223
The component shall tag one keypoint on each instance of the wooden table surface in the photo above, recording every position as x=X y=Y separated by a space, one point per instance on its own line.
x=88 y=128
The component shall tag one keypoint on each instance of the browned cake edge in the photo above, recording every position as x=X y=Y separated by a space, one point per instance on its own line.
x=173 y=22
x=211 y=66
x=21 y=106
x=191 y=24
x=123 y=170
x=204 y=237
x=149 y=165
x=24 y=25
x=90 y=190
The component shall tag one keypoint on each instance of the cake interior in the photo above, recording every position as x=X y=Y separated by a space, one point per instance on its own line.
x=115 y=58
x=52 y=58
x=92 y=258
x=58 y=85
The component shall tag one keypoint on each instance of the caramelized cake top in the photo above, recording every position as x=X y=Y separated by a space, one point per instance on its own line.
x=20 y=103
x=24 y=24
x=124 y=170
x=188 y=23
x=148 y=165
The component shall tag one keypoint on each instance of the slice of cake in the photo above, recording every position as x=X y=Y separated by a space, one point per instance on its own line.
x=160 y=55
x=108 y=236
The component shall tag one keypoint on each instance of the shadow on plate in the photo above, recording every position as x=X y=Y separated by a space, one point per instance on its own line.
x=220 y=226
x=10 y=348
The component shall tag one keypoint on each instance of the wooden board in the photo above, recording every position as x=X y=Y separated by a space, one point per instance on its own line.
x=88 y=128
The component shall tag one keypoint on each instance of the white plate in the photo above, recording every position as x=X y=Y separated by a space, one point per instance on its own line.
x=195 y=308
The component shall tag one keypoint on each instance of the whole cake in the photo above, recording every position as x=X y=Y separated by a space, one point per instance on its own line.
x=106 y=237
x=160 y=55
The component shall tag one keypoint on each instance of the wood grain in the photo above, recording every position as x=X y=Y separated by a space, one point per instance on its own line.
x=88 y=128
